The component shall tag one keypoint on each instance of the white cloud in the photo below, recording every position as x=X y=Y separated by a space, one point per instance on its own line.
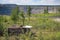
x=24 y=2
x=47 y=1
x=37 y=2
x=30 y=2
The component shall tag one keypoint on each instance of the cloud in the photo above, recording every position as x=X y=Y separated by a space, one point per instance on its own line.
x=47 y=2
x=25 y=2
x=31 y=2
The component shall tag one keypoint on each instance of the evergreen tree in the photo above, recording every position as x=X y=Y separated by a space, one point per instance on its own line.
x=46 y=10
x=14 y=14
x=1 y=25
x=59 y=10
x=29 y=12
x=21 y=15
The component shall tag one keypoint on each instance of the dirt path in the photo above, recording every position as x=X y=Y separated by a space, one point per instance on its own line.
x=56 y=19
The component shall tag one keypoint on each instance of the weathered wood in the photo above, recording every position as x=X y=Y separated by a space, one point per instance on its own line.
x=1 y=33
x=16 y=31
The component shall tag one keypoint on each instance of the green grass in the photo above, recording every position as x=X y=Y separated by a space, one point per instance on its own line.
x=43 y=26
x=46 y=15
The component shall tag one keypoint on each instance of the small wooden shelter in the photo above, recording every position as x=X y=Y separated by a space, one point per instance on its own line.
x=14 y=30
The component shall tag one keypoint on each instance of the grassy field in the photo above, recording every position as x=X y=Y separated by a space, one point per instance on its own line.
x=43 y=26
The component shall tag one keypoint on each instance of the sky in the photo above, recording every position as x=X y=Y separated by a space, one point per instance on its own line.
x=31 y=2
